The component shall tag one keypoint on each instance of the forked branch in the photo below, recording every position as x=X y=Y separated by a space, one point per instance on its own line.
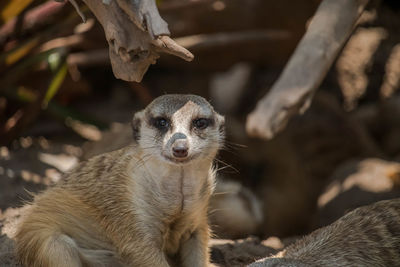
x=136 y=34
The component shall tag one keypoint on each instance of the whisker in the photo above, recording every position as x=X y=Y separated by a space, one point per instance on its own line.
x=223 y=193
x=223 y=168
x=227 y=165
x=237 y=145
x=216 y=210
x=149 y=147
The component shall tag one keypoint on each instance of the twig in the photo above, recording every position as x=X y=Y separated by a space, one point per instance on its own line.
x=210 y=41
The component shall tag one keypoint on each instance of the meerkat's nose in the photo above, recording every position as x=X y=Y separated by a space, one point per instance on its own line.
x=180 y=151
x=179 y=145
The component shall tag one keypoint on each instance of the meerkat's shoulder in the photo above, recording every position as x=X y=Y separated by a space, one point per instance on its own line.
x=116 y=161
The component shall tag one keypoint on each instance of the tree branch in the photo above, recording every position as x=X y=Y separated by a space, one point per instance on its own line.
x=136 y=34
x=328 y=31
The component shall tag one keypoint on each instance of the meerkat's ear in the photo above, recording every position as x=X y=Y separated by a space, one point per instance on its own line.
x=136 y=124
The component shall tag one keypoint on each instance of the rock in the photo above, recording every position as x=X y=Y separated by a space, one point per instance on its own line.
x=235 y=211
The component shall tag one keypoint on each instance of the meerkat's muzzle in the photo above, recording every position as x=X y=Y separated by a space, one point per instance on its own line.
x=179 y=145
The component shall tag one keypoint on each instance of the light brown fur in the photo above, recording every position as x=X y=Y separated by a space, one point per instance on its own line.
x=130 y=207
x=367 y=236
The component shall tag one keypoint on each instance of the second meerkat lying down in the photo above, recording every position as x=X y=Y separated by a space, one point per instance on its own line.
x=367 y=236
x=143 y=205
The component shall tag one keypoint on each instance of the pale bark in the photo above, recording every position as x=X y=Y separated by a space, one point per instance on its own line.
x=292 y=93
x=136 y=34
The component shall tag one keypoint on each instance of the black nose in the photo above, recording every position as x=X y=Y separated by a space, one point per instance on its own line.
x=180 y=151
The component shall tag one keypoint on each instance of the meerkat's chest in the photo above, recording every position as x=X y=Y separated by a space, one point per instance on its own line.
x=188 y=201
x=173 y=200
x=172 y=193
x=181 y=192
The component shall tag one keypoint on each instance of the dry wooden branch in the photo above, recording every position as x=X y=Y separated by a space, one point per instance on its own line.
x=328 y=31
x=210 y=41
x=136 y=34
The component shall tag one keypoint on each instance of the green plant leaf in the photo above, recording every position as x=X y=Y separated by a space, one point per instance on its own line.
x=55 y=83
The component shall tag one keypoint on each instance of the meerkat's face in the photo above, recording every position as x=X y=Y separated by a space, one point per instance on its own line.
x=179 y=128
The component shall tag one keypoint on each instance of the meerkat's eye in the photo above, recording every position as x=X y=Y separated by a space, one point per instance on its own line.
x=161 y=123
x=201 y=123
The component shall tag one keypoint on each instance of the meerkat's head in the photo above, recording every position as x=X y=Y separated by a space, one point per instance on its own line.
x=179 y=128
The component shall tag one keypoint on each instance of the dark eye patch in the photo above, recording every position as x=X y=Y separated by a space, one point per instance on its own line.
x=202 y=123
x=160 y=123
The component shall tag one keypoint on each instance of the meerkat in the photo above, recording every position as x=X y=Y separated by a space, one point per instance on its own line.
x=142 y=205
x=367 y=236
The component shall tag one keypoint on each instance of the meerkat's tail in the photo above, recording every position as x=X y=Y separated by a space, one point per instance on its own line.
x=46 y=248
x=58 y=230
